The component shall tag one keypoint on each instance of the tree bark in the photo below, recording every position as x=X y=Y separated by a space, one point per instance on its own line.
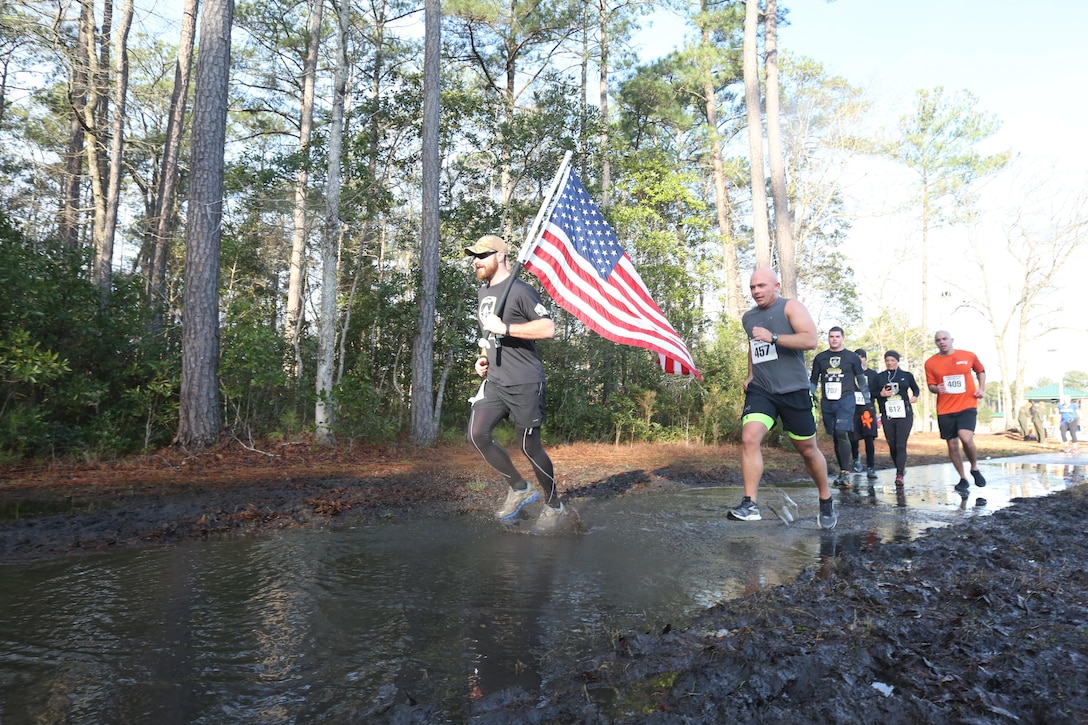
x=91 y=121
x=325 y=412
x=733 y=298
x=77 y=99
x=367 y=235
x=424 y=424
x=168 y=176
x=199 y=414
x=293 y=318
x=117 y=146
x=760 y=223
x=783 y=217
x=606 y=166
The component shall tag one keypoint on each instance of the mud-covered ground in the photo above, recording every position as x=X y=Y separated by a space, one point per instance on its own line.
x=984 y=622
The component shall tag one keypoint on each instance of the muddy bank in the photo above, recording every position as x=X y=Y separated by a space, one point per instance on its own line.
x=983 y=622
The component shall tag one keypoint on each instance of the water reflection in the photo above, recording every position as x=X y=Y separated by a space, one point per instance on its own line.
x=341 y=625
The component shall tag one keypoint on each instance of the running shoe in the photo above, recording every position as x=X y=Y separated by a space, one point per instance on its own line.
x=553 y=522
x=827 y=518
x=747 y=511
x=857 y=465
x=979 y=480
x=898 y=480
x=843 y=481
x=963 y=485
x=872 y=473
x=516 y=501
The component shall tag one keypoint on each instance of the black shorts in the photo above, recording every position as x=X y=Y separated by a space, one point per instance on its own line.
x=864 y=425
x=795 y=410
x=950 y=424
x=524 y=403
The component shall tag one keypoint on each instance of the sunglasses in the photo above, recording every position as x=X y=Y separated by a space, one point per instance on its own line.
x=483 y=255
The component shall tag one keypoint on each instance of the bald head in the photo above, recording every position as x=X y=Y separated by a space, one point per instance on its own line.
x=944 y=342
x=764 y=286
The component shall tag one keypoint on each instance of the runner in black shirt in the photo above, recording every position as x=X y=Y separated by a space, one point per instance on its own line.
x=513 y=386
x=865 y=428
x=837 y=372
x=895 y=391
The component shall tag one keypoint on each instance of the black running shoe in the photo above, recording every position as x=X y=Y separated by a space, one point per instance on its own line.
x=980 y=481
x=963 y=485
x=747 y=511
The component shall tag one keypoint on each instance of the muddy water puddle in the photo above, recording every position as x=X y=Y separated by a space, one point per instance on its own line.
x=337 y=625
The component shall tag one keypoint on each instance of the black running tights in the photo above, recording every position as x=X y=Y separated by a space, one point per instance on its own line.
x=483 y=423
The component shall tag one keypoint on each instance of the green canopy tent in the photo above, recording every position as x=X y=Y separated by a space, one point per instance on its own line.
x=1050 y=393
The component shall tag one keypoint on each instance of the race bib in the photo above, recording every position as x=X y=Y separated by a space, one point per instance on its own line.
x=955 y=384
x=895 y=408
x=859 y=398
x=763 y=351
x=833 y=391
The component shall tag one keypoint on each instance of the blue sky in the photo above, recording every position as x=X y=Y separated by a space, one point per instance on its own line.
x=1026 y=62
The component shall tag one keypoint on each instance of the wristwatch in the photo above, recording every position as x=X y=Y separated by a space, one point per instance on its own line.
x=774 y=338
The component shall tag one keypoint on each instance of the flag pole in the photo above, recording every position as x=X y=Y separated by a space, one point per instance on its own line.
x=534 y=231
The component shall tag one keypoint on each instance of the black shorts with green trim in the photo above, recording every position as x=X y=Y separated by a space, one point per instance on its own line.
x=794 y=408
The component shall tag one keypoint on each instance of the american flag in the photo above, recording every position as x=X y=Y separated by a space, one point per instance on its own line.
x=582 y=264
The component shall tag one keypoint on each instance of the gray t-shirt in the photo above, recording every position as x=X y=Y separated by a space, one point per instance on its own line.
x=516 y=362
x=775 y=369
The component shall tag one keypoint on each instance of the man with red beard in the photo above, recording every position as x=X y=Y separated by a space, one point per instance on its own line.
x=513 y=385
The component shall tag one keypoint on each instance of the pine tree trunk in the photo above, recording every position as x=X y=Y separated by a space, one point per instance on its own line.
x=119 y=85
x=606 y=167
x=77 y=99
x=93 y=116
x=760 y=223
x=199 y=416
x=293 y=319
x=171 y=151
x=324 y=414
x=783 y=218
x=424 y=426
x=733 y=298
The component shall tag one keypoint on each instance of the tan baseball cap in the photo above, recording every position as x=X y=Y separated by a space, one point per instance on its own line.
x=488 y=243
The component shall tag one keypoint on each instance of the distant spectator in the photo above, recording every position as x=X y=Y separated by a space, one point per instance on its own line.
x=1070 y=424
x=1039 y=422
x=1023 y=419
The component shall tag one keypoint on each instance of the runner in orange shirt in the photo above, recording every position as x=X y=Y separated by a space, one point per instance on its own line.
x=949 y=375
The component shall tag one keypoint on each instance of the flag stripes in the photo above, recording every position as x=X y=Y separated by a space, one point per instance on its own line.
x=617 y=305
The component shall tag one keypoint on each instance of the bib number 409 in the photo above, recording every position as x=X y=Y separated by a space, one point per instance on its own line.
x=955 y=384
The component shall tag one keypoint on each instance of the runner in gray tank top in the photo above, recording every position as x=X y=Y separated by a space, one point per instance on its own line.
x=779 y=331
